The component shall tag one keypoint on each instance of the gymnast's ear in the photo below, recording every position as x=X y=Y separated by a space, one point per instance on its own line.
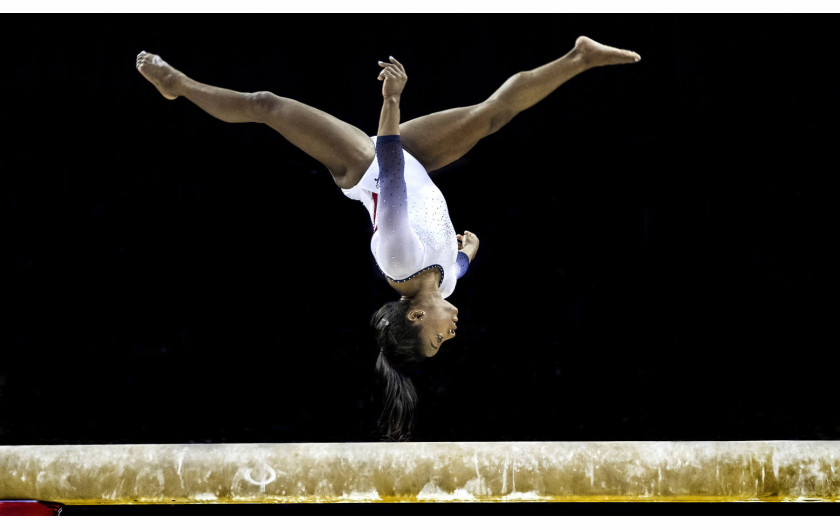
x=416 y=315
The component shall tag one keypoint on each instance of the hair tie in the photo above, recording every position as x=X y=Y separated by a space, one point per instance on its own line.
x=382 y=324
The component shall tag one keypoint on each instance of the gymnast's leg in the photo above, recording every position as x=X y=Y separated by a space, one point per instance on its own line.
x=345 y=150
x=443 y=137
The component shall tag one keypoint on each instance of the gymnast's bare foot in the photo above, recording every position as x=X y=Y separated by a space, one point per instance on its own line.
x=596 y=54
x=159 y=73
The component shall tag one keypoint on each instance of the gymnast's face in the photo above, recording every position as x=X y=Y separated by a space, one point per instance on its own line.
x=438 y=321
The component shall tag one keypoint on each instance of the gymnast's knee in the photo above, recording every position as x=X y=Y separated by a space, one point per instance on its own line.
x=264 y=104
x=498 y=112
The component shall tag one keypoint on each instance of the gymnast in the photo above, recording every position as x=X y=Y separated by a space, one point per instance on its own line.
x=414 y=242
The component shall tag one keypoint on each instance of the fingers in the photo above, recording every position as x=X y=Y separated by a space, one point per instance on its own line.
x=393 y=70
x=396 y=62
x=390 y=71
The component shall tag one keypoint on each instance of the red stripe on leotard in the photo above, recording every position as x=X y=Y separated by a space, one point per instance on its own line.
x=375 y=198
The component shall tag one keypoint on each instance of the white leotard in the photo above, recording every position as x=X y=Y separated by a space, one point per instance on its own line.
x=408 y=238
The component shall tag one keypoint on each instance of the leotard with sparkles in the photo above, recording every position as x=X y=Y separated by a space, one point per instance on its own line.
x=412 y=228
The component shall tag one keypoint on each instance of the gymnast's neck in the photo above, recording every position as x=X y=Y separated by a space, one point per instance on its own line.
x=424 y=285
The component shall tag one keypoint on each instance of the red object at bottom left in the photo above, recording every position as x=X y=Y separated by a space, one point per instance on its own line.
x=30 y=508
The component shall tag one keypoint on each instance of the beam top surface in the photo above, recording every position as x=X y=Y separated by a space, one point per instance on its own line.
x=423 y=472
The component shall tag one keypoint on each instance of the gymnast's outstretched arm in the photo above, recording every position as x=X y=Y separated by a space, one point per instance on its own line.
x=398 y=244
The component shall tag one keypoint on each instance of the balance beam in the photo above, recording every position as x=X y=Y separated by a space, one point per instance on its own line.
x=423 y=472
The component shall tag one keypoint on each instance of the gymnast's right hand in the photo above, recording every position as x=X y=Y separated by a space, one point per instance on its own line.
x=393 y=73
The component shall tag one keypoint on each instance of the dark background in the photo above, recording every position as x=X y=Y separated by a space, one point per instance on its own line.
x=656 y=238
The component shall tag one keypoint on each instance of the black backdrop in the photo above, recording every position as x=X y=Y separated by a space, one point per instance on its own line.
x=655 y=238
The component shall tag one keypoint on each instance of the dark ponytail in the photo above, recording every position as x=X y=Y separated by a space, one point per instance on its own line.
x=399 y=347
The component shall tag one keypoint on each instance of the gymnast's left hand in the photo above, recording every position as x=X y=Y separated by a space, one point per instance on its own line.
x=468 y=244
x=394 y=77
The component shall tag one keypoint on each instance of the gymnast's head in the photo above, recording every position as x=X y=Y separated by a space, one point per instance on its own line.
x=408 y=331
x=415 y=328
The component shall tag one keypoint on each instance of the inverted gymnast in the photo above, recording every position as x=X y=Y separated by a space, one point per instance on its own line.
x=413 y=242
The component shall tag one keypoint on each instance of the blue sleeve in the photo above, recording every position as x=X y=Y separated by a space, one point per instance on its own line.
x=462 y=263
x=400 y=250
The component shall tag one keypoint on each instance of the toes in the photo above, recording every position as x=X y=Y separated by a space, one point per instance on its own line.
x=141 y=59
x=632 y=56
